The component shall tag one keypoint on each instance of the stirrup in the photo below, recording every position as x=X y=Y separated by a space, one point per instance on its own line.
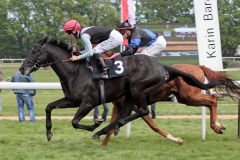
x=104 y=75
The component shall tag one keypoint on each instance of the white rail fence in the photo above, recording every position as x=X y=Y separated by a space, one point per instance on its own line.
x=34 y=85
x=10 y=60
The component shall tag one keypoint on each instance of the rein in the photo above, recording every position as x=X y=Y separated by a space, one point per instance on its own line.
x=48 y=64
x=36 y=65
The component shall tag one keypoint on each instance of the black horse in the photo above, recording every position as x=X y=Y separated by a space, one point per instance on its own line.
x=143 y=75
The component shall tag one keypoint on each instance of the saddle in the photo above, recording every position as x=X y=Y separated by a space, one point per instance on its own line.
x=114 y=63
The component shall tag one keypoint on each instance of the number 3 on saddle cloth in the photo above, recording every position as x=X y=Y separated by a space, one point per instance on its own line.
x=114 y=64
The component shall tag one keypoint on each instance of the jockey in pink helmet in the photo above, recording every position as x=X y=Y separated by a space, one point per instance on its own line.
x=106 y=39
x=72 y=27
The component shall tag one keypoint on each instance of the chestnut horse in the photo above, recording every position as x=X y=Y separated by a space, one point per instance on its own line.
x=188 y=95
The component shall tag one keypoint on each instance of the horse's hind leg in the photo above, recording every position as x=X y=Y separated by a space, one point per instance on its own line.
x=83 y=110
x=214 y=124
x=163 y=133
x=114 y=117
x=61 y=103
x=142 y=110
x=150 y=123
x=211 y=103
x=208 y=100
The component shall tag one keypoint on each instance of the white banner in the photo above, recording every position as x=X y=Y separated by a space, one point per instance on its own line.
x=208 y=34
x=131 y=12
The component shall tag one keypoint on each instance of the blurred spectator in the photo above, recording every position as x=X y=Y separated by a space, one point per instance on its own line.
x=24 y=96
x=1 y=79
x=153 y=111
x=104 y=114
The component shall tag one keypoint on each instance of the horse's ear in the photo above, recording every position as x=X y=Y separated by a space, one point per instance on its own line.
x=43 y=41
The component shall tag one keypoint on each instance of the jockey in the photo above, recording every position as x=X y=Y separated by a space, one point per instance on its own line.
x=106 y=39
x=138 y=37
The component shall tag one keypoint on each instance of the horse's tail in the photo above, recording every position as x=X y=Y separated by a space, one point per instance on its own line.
x=189 y=79
x=231 y=87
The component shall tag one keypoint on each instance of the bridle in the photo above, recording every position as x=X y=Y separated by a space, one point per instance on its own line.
x=37 y=65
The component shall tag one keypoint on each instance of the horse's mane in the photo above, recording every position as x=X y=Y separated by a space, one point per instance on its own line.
x=63 y=45
x=60 y=43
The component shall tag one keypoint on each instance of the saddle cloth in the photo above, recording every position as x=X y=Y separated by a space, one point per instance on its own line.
x=114 y=63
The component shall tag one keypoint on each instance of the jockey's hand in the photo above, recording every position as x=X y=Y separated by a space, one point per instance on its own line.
x=123 y=53
x=129 y=51
x=74 y=58
x=126 y=53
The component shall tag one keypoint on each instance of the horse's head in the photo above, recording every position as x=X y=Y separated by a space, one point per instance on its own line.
x=35 y=59
x=46 y=53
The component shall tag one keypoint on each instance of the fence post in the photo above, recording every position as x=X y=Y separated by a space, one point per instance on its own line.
x=128 y=129
x=203 y=123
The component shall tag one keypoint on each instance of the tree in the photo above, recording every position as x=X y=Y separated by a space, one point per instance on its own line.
x=229 y=17
x=27 y=21
x=162 y=12
x=4 y=28
x=24 y=22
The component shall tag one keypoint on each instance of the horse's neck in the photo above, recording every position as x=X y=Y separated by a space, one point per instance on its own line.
x=63 y=69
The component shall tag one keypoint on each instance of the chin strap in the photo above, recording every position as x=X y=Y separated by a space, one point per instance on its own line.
x=77 y=34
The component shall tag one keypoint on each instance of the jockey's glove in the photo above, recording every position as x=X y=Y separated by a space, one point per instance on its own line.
x=129 y=51
x=74 y=49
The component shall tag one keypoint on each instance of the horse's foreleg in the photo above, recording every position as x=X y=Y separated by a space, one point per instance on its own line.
x=163 y=133
x=61 y=103
x=83 y=110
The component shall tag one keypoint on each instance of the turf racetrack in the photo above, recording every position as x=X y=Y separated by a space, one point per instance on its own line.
x=27 y=141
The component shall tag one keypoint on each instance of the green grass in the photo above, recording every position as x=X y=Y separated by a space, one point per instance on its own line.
x=27 y=141
x=182 y=59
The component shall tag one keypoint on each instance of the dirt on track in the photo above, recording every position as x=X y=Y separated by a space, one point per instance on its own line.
x=15 y=118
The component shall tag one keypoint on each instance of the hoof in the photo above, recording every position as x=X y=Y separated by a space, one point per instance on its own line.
x=95 y=136
x=218 y=130
x=49 y=136
x=116 y=131
x=179 y=141
x=223 y=127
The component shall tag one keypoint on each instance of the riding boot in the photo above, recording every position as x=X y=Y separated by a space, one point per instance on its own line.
x=103 y=66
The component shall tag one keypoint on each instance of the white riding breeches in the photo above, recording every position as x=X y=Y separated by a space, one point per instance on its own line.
x=115 y=39
x=155 y=48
